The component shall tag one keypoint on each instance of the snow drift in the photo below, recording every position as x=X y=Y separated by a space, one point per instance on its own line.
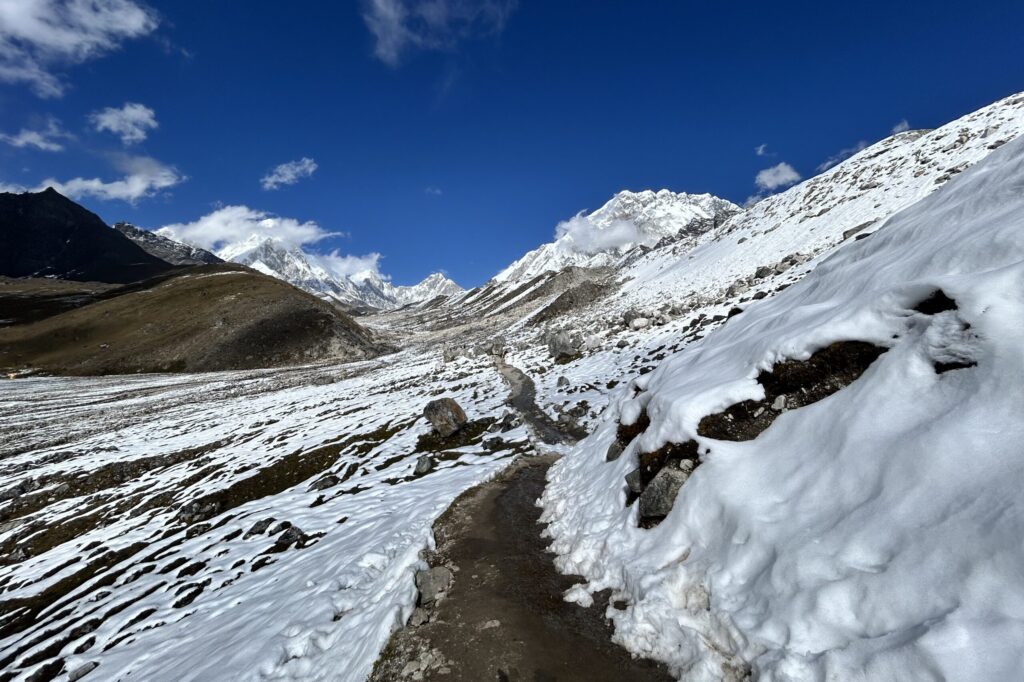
x=874 y=535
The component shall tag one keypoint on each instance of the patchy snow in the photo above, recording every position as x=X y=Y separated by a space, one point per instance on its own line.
x=874 y=535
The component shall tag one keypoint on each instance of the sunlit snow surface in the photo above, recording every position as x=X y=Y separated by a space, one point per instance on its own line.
x=874 y=535
x=322 y=612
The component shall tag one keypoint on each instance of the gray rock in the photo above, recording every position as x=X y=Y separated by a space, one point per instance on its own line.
x=633 y=481
x=563 y=381
x=82 y=670
x=259 y=528
x=614 y=450
x=639 y=323
x=564 y=347
x=291 y=536
x=445 y=416
x=660 y=494
x=328 y=481
x=622 y=343
x=432 y=584
x=779 y=403
x=420 y=616
x=424 y=465
x=764 y=271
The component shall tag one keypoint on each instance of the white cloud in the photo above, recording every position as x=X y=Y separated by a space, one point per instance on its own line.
x=780 y=175
x=581 y=235
x=131 y=123
x=231 y=225
x=288 y=173
x=143 y=177
x=356 y=268
x=433 y=191
x=39 y=36
x=402 y=25
x=841 y=156
x=45 y=139
x=901 y=127
x=762 y=150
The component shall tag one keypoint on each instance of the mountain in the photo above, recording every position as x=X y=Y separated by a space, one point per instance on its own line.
x=166 y=249
x=44 y=234
x=196 y=319
x=628 y=220
x=310 y=272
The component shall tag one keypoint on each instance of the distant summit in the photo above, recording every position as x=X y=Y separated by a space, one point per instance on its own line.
x=166 y=249
x=44 y=234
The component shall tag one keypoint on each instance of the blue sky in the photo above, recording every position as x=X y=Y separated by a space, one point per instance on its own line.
x=455 y=134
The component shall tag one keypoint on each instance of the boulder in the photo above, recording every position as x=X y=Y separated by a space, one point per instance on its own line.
x=764 y=271
x=327 y=481
x=424 y=465
x=639 y=323
x=432 y=584
x=614 y=450
x=563 y=347
x=634 y=482
x=660 y=494
x=445 y=416
x=563 y=382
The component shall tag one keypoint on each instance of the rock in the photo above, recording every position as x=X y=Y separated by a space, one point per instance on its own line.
x=782 y=266
x=738 y=287
x=660 y=494
x=445 y=415
x=491 y=624
x=424 y=465
x=562 y=382
x=563 y=347
x=291 y=535
x=764 y=271
x=622 y=343
x=639 y=323
x=82 y=670
x=420 y=616
x=328 y=481
x=779 y=403
x=614 y=450
x=634 y=482
x=259 y=528
x=432 y=584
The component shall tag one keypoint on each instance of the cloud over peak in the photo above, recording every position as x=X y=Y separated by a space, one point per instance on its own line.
x=399 y=26
x=288 y=173
x=780 y=175
x=233 y=225
x=132 y=122
x=143 y=177
x=39 y=36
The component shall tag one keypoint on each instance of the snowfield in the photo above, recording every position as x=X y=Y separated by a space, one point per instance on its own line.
x=874 y=535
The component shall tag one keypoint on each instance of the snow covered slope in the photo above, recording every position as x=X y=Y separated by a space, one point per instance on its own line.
x=166 y=249
x=309 y=272
x=629 y=219
x=875 y=534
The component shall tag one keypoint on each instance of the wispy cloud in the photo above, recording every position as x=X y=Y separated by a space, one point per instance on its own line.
x=433 y=191
x=143 y=177
x=39 y=37
x=132 y=122
x=45 y=138
x=231 y=225
x=841 y=156
x=288 y=173
x=399 y=26
x=776 y=177
x=762 y=150
x=901 y=127
x=580 y=234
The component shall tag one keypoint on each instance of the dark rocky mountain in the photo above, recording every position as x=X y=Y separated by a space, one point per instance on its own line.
x=44 y=234
x=166 y=249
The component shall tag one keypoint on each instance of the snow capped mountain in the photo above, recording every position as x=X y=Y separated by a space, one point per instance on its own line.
x=166 y=249
x=311 y=273
x=628 y=220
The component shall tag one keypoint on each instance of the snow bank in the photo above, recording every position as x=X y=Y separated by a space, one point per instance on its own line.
x=874 y=535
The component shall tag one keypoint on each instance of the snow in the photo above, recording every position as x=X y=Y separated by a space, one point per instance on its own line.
x=322 y=612
x=874 y=535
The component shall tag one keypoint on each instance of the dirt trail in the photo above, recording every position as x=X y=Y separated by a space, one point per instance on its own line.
x=523 y=398
x=503 y=618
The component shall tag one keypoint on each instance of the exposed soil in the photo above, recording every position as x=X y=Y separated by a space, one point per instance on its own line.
x=522 y=397
x=503 y=617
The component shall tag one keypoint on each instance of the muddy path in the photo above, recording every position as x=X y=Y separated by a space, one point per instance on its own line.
x=523 y=398
x=502 y=617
